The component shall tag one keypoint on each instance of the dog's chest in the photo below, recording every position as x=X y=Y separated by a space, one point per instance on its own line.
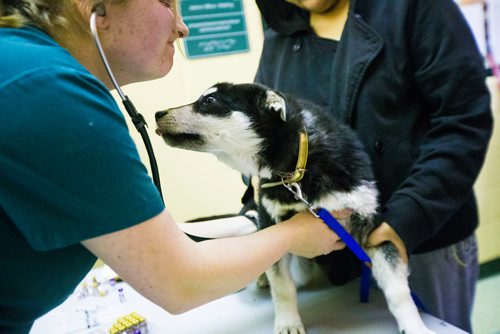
x=280 y=210
x=281 y=204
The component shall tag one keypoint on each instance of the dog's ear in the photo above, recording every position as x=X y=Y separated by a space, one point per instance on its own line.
x=276 y=102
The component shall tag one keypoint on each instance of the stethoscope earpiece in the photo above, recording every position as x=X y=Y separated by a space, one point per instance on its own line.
x=99 y=9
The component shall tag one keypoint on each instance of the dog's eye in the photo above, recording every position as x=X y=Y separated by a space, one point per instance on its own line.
x=209 y=100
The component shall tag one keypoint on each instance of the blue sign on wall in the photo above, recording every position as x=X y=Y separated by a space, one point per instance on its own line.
x=216 y=27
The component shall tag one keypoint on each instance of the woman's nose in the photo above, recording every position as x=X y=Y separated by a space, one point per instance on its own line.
x=182 y=29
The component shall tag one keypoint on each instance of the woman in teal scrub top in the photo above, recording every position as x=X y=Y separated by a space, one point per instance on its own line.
x=72 y=186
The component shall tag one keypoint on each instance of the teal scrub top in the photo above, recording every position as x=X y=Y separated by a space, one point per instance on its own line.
x=69 y=171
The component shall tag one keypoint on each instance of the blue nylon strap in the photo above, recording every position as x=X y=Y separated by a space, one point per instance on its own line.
x=364 y=284
x=418 y=302
x=364 y=289
x=344 y=235
x=334 y=225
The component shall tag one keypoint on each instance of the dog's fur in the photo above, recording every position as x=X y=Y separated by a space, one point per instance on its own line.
x=256 y=131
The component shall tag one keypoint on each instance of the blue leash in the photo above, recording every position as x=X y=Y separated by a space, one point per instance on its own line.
x=364 y=289
x=334 y=225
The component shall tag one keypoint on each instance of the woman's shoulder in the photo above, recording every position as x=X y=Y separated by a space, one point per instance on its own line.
x=29 y=52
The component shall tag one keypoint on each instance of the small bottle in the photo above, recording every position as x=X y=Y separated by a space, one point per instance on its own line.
x=121 y=295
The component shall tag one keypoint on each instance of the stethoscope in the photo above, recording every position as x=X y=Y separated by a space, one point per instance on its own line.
x=137 y=119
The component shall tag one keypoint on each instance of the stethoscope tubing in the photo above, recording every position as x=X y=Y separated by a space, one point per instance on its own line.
x=137 y=119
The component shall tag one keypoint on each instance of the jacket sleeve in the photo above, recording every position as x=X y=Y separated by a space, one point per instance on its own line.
x=449 y=75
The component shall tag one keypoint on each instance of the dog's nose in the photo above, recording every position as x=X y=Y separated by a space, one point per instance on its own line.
x=160 y=114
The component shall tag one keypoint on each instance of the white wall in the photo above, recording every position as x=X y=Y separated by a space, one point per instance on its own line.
x=196 y=184
x=474 y=13
x=488 y=187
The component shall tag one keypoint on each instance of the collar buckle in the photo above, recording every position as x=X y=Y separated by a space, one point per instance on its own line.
x=300 y=167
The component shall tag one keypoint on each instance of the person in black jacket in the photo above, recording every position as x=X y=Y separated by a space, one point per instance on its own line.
x=408 y=77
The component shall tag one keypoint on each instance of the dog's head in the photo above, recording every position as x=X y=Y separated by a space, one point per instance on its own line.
x=226 y=120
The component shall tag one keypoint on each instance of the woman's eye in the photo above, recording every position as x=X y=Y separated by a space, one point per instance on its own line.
x=167 y=3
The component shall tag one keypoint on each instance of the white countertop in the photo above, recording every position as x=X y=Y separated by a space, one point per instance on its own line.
x=324 y=309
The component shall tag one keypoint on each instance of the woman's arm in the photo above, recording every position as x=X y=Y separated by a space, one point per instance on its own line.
x=158 y=260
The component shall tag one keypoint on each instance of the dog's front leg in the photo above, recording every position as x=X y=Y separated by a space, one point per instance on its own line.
x=391 y=275
x=284 y=293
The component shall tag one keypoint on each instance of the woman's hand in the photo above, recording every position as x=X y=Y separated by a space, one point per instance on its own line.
x=385 y=233
x=312 y=236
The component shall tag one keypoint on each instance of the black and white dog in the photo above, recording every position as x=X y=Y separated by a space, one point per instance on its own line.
x=257 y=131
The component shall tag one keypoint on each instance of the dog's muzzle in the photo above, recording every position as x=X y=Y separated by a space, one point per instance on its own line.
x=158 y=115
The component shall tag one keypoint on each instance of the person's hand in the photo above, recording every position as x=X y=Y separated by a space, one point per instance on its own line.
x=385 y=233
x=312 y=236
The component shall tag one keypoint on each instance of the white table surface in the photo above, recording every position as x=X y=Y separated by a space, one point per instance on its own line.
x=324 y=309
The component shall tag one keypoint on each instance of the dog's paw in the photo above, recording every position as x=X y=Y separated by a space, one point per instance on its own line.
x=289 y=329
x=288 y=323
x=421 y=330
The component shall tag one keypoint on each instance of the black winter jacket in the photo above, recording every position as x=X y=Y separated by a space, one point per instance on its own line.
x=408 y=77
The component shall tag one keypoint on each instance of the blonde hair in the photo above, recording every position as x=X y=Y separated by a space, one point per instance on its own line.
x=48 y=15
